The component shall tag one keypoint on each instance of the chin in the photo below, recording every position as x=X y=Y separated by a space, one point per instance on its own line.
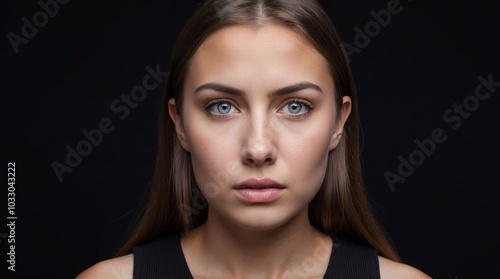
x=262 y=219
x=260 y=226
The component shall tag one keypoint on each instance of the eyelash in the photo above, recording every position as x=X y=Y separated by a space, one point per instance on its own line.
x=307 y=104
x=211 y=103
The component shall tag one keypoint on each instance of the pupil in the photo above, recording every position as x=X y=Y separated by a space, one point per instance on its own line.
x=223 y=108
x=294 y=107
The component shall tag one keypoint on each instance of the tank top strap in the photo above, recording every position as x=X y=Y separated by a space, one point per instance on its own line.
x=163 y=258
x=160 y=258
x=352 y=260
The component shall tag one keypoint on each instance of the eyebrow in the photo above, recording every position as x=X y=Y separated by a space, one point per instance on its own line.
x=278 y=92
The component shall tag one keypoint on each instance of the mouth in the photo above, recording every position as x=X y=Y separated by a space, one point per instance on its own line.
x=259 y=190
x=257 y=184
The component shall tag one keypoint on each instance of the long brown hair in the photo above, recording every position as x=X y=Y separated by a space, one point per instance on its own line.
x=341 y=206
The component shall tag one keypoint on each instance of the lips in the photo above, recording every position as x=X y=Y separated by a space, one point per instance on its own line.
x=254 y=183
x=259 y=190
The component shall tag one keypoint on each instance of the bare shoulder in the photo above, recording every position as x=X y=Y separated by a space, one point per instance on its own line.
x=115 y=268
x=391 y=270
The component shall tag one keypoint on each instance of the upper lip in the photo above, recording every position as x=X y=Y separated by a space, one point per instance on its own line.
x=263 y=183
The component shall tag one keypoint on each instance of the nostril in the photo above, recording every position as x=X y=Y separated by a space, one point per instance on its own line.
x=258 y=148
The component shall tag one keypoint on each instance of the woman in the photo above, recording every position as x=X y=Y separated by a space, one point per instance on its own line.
x=258 y=169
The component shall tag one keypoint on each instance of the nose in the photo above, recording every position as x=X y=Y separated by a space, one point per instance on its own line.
x=258 y=145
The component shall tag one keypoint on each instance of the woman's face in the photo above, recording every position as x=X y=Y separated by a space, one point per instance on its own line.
x=259 y=120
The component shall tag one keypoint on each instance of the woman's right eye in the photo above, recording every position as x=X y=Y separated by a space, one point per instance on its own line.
x=221 y=108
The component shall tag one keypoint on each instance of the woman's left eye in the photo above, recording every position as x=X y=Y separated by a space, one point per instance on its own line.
x=296 y=108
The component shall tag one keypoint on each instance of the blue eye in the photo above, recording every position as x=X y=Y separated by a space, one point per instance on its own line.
x=295 y=108
x=222 y=107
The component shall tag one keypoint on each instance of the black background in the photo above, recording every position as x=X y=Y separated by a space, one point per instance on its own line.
x=442 y=218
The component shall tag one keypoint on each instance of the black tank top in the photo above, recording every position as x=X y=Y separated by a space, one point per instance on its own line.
x=163 y=258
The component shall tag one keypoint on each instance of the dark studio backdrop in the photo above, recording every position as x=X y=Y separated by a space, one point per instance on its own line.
x=428 y=80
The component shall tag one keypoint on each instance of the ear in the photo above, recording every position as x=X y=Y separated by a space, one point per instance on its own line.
x=345 y=111
x=179 y=126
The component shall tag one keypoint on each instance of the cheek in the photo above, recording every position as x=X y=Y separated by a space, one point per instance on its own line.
x=306 y=155
x=214 y=154
x=312 y=154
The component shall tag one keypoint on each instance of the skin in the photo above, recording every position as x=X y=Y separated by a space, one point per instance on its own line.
x=262 y=136
x=254 y=134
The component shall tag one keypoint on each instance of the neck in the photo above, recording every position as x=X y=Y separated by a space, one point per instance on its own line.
x=237 y=252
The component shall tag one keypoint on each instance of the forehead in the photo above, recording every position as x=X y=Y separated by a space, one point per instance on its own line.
x=262 y=40
x=269 y=52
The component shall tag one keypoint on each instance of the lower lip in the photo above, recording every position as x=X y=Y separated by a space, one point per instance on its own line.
x=259 y=195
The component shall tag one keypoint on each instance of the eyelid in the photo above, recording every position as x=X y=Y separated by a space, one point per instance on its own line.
x=308 y=107
x=304 y=102
x=219 y=100
x=212 y=102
